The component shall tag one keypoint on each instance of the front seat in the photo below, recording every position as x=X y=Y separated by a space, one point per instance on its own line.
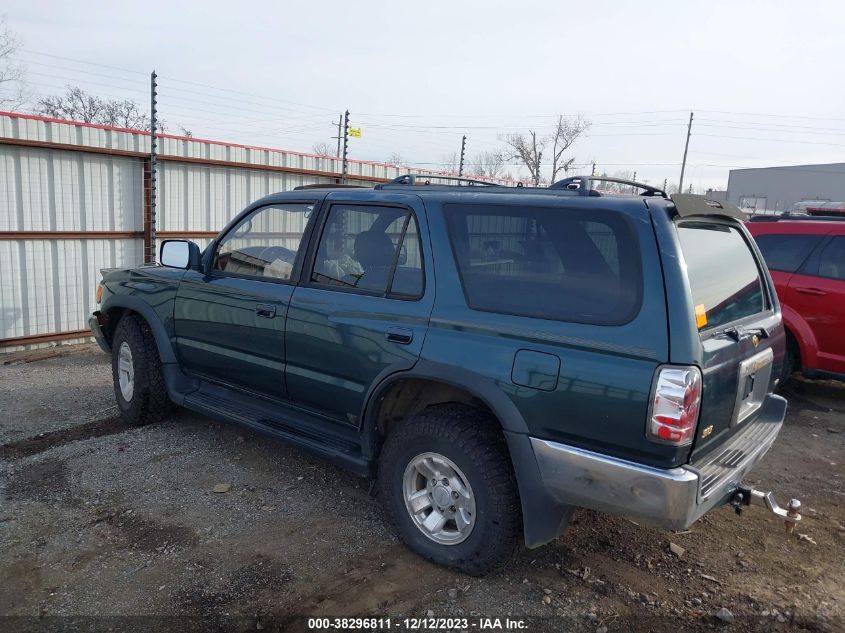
x=375 y=251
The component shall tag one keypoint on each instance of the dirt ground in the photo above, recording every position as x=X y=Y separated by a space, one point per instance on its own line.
x=103 y=526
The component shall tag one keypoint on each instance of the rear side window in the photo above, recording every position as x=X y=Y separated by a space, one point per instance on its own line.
x=375 y=250
x=549 y=263
x=786 y=253
x=723 y=273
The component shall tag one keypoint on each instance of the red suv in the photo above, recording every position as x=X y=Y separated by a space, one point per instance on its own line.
x=806 y=256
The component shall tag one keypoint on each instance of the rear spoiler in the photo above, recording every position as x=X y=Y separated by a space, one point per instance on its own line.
x=688 y=204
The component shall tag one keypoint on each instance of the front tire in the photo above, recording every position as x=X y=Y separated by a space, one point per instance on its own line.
x=136 y=372
x=446 y=479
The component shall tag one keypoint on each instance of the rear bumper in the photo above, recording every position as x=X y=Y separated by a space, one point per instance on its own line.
x=97 y=331
x=669 y=498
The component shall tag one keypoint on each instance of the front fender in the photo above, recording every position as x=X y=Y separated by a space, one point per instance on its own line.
x=150 y=315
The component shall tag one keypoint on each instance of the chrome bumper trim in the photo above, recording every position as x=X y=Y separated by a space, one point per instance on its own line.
x=670 y=498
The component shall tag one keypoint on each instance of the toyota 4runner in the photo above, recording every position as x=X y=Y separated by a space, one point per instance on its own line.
x=492 y=357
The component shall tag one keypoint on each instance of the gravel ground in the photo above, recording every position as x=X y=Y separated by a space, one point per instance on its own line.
x=101 y=521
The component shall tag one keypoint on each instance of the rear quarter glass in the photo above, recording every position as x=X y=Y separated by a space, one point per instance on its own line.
x=581 y=266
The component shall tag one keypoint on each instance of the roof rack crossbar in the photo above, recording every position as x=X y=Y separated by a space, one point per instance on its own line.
x=582 y=185
x=412 y=179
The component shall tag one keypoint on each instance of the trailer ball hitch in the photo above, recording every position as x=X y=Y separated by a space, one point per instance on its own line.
x=751 y=497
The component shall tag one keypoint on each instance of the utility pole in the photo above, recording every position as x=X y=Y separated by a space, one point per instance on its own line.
x=593 y=173
x=339 y=135
x=151 y=256
x=345 y=147
x=686 y=148
x=463 y=149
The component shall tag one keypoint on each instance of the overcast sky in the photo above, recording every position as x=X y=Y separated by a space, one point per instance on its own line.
x=765 y=79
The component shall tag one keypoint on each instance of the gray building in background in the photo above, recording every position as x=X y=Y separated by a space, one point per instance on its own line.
x=776 y=189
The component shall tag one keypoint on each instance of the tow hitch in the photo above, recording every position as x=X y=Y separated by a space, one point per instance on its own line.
x=750 y=497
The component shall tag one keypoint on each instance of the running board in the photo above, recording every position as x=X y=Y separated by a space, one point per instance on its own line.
x=334 y=442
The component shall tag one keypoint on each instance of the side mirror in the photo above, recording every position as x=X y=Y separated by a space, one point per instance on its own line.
x=180 y=254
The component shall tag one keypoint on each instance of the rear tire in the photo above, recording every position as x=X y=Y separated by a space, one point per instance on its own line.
x=452 y=451
x=136 y=371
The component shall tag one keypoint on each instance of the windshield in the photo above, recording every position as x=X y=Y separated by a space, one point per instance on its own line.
x=723 y=273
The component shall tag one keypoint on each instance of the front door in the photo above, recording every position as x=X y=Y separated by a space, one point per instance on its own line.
x=818 y=294
x=229 y=319
x=363 y=306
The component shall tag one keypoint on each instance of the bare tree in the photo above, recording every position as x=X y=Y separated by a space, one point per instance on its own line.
x=567 y=132
x=124 y=113
x=528 y=149
x=12 y=74
x=615 y=187
x=322 y=149
x=450 y=161
x=78 y=105
x=395 y=158
x=487 y=164
x=75 y=104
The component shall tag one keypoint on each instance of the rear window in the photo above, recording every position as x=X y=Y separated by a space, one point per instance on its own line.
x=786 y=252
x=549 y=263
x=723 y=273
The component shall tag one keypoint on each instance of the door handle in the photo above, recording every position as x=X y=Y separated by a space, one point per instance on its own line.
x=266 y=310
x=401 y=335
x=811 y=291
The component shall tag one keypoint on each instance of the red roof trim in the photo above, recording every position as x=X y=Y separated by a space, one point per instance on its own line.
x=111 y=128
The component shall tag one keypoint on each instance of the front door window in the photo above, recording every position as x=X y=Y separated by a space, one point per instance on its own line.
x=265 y=244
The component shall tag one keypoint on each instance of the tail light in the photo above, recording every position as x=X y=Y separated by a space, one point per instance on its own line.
x=99 y=294
x=675 y=401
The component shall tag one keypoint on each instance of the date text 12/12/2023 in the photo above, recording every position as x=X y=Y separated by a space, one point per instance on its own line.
x=418 y=624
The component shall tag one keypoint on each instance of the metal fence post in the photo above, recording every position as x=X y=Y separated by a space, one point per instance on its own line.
x=151 y=230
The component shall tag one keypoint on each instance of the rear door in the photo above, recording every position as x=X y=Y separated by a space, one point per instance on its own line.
x=817 y=293
x=741 y=334
x=363 y=306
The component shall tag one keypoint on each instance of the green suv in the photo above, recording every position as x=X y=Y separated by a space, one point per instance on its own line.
x=492 y=357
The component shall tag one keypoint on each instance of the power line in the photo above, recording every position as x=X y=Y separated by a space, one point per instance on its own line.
x=184 y=81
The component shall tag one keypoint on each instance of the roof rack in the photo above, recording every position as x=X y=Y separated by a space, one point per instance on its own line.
x=762 y=217
x=329 y=185
x=582 y=184
x=413 y=179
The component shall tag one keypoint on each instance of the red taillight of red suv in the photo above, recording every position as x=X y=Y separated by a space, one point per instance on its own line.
x=675 y=401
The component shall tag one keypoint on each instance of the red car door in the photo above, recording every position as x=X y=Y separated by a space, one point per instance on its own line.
x=820 y=299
